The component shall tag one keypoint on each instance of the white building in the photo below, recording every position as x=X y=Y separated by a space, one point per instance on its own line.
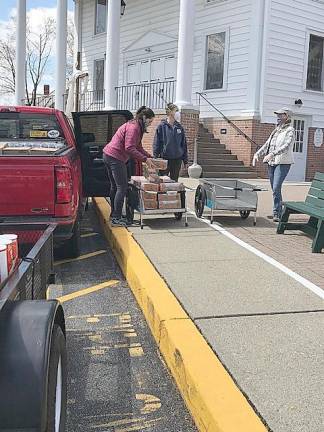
x=248 y=58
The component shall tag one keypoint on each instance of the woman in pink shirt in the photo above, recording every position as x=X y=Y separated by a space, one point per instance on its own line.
x=125 y=144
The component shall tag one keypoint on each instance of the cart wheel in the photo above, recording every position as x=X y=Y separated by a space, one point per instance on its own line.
x=244 y=214
x=200 y=200
x=178 y=216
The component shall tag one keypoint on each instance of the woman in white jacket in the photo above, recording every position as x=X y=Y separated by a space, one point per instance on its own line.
x=278 y=154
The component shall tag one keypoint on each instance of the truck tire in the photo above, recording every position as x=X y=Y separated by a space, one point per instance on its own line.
x=32 y=355
x=74 y=244
x=56 y=393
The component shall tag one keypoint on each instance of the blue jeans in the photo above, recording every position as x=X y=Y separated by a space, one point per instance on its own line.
x=117 y=172
x=277 y=175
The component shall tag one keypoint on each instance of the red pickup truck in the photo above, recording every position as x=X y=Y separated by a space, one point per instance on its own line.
x=48 y=167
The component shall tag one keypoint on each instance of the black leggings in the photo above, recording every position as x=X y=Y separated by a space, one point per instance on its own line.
x=117 y=172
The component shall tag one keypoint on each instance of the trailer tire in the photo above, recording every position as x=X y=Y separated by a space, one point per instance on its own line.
x=56 y=386
x=244 y=214
x=200 y=201
x=74 y=244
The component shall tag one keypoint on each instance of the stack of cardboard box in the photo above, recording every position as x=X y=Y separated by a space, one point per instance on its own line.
x=158 y=192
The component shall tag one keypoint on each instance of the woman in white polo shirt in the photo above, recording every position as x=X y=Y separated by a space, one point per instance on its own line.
x=278 y=154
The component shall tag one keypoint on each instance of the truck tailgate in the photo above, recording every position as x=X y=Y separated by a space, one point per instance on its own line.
x=27 y=187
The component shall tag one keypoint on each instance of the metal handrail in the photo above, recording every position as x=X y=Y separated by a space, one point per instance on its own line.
x=201 y=95
x=154 y=94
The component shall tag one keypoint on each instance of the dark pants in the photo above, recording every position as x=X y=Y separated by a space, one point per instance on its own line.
x=173 y=170
x=277 y=175
x=117 y=172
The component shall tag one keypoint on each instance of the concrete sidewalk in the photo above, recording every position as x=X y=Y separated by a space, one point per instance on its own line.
x=263 y=324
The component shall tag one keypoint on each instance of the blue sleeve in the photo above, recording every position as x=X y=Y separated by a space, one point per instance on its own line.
x=157 y=143
x=185 y=149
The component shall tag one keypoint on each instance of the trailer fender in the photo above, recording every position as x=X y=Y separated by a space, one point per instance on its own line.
x=26 y=329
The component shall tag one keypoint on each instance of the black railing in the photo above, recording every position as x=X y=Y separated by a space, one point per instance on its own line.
x=41 y=101
x=89 y=101
x=154 y=95
x=201 y=95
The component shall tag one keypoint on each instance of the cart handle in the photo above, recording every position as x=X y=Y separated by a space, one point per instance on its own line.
x=251 y=189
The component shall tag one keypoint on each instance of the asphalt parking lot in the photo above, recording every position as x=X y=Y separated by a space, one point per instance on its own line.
x=117 y=381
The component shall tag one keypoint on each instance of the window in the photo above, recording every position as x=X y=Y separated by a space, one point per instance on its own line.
x=315 y=63
x=214 y=78
x=101 y=16
x=15 y=126
x=99 y=79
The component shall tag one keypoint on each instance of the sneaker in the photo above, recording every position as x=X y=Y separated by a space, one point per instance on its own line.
x=270 y=217
x=118 y=223
x=276 y=218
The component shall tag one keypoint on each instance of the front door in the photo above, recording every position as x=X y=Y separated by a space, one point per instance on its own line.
x=298 y=169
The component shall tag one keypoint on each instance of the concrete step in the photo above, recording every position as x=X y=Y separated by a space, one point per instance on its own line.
x=209 y=144
x=225 y=168
x=214 y=150
x=232 y=174
x=230 y=162
x=216 y=156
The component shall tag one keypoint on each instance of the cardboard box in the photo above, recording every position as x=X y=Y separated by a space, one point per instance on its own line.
x=146 y=186
x=160 y=164
x=149 y=195
x=169 y=196
x=16 y=151
x=150 y=204
x=170 y=204
x=138 y=180
x=154 y=178
x=166 y=179
x=165 y=187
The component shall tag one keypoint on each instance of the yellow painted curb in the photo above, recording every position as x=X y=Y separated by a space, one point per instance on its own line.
x=215 y=402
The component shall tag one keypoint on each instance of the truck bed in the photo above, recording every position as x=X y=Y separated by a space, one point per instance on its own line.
x=30 y=279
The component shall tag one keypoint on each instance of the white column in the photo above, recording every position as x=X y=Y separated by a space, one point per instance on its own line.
x=255 y=59
x=185 y=53
x=61 y=38
x=112 y=53
x=20 y=52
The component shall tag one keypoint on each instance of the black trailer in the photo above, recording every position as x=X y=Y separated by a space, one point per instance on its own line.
x=32 y=338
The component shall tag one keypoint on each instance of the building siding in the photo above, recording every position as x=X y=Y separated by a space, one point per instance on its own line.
x=286 y=57
x=143 y=15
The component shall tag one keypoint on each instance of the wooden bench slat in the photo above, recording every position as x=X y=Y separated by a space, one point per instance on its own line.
x=316 y=193
x=314 y=202
x=319 y=176
x=318 y=185
x=305 y=209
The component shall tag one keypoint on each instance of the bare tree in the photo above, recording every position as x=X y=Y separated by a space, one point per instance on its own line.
x=7 y=64
x=38 y=51
x=70 y=48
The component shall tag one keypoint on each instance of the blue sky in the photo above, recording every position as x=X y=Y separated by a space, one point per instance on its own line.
x=7 y=5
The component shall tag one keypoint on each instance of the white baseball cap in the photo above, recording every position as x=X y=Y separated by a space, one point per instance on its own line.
x=284 y=110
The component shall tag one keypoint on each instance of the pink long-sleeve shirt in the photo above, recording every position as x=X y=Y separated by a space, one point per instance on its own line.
x=127 y=143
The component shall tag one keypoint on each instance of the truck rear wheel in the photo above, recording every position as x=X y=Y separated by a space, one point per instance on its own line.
x=56 y=393
x=74 y=244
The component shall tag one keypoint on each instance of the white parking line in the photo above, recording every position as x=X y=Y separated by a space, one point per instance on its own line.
x=305 y=282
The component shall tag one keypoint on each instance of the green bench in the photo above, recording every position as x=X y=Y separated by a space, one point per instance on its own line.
x=314 y=208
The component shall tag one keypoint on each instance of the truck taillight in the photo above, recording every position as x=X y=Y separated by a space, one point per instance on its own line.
x=63 y=185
